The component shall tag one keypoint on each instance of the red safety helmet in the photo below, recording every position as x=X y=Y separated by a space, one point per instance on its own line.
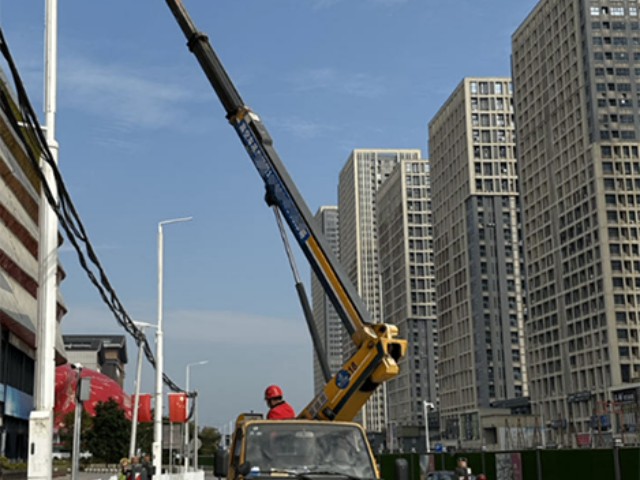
x=272 y=391
x=481 y=476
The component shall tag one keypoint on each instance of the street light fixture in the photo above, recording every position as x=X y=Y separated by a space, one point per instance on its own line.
x=134 y=424
x=427 y=406
x=157 y=434
x=186 y=430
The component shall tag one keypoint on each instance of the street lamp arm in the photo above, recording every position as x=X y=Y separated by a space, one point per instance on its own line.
x=174 y=220
x=197 y=363
x=144 y=324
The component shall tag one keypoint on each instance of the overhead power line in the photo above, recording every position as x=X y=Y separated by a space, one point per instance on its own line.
x=27 y=125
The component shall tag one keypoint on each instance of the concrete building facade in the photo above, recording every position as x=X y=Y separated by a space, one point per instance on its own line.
x=577 y=92
x=106 y=354
x=19 y=270
x=327 y=321
x=477 y=235
x=405 y=238
x=359 y=181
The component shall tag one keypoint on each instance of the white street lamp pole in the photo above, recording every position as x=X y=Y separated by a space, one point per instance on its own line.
x=40 y=449
x=136 y=403
x=186 y=430
x=427 y=406
x=157 y=434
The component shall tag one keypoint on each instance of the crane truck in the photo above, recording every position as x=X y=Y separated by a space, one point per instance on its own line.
x=284 y=446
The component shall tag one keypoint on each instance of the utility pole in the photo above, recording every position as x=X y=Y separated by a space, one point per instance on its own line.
x=77 y=425
x=427 y=406
x=196 y=438
x=157 y=430
x=136 y=402
x=41 y=419
x=82 y=394
x=186 y=430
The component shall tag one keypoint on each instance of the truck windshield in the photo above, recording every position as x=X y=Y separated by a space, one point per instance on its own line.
x=307 y=448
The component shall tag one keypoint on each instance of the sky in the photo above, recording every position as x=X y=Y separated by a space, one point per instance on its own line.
x=143 y=138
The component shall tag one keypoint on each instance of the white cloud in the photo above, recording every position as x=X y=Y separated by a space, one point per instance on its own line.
x=201 y=326
x=129 y=99
x=320 y=4
x=234 y=327
x=390 y=3
x=301 y=128
x=357 y=84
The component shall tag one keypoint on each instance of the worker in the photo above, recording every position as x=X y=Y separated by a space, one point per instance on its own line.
x=278 y=408
x=463 y=472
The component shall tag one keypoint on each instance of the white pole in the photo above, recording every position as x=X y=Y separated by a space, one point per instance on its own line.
x=77 y=423
x=427 y=405
x=426 y=425
x=195 y=440
x=41 y=419
x=186 y=431
x=157 y=437
x=170 y=449
x=136 y=402
x=223 y=441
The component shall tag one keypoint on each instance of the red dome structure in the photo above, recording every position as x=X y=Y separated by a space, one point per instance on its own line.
x=102 y=388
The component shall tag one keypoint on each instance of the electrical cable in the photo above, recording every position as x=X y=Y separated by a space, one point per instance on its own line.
x=65 y=209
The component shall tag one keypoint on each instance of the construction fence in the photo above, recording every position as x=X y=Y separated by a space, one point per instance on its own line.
x=585 y=464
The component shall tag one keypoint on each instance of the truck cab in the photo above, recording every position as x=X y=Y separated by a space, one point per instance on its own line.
x=298 y=448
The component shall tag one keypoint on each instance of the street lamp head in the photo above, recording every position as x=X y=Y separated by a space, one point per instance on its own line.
x=174 y=220
x=197 y=363
x=144 y=324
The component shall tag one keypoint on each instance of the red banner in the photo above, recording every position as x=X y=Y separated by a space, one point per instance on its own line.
x=177 y=407
x=144 y=407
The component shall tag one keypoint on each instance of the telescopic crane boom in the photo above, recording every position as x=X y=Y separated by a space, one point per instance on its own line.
x=378 y=349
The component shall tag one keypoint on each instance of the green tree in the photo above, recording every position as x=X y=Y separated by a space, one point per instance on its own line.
x=109 y=438
x=210 y=437
x=68 y=427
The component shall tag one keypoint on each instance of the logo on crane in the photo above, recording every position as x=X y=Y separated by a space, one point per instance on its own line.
x=342 y=379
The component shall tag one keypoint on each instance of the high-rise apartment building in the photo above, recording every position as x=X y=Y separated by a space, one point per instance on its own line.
x=405 y=238
x=477 y=237
x=327 y=321
x=576 y=73
x=360 y=179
